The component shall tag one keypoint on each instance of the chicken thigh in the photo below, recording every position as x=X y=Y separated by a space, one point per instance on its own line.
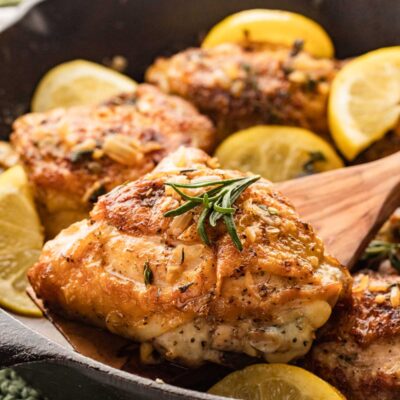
x=358 y=351
x=152 y=278
x=240 y=86
x=72 y=156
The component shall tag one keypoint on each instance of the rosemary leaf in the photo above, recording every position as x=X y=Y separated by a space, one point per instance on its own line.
x=379 y=250
x=184 y=195
x=203 y=184
x=206 y=201
x=148 y=274
x=224 y=210
x=214 y=217
x=230 y=226
x=395 y=261
x=201 y=229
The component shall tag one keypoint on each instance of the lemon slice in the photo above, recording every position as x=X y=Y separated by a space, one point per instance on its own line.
x=78 y=83
x=21 y=240
x=278 y=153
x=271 y=26
x=364 y=102
x=275 y=382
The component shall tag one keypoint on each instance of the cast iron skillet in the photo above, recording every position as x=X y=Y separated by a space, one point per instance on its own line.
x=140 y=30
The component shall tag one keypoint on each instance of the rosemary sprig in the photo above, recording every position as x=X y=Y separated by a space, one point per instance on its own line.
x=309 y=166
x=217 y=203
x=379 y=250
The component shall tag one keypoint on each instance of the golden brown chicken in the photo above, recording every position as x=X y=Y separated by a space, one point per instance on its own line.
x=72 y=156
x=152 y=278
x=243 y=86
x=358 y=351
x=239 y=87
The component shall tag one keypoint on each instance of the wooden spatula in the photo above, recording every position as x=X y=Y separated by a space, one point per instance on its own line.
x=348 y=206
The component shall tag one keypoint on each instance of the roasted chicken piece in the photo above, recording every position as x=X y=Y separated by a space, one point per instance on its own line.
x=358 y=351
x=71 y=156
x=239 y=87
x=243 y=86
x=149 y=277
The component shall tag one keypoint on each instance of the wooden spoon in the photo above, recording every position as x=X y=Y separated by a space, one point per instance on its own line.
x=348 y=206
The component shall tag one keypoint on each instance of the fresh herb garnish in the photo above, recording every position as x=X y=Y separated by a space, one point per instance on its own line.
x=81 y=155
x=297 y=47
x=94 y=196
x=183 y=288
x=148 y=274
x=287 y=69
x=309 y=165
x=246 y=35
x=379 y=250
x=311 y=84
x=251 y=76
x=182 y=256
x=217 y=203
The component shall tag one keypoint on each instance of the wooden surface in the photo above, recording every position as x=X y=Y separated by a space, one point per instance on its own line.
x=348 y=206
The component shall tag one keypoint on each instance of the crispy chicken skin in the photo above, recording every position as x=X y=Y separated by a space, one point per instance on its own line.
x=243 y=86
x=239 y=87
x=197 y=302
x=72 y=156
x=358 y=351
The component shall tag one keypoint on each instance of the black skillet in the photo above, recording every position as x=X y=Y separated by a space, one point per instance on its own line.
x=140 y=30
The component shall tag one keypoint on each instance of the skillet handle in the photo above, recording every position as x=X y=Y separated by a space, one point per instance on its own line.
x=19 y=344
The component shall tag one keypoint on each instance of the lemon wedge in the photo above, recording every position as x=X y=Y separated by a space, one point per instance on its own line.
x=271 y=26
x=79 y=82
x=275 y=382
x=364 y=102
x=21 y=241
x=278 y=153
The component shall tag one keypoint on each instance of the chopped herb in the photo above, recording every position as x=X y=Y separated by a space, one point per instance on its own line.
x=148 y=274
x=287 y=69
x=311 y=84
x=183 y=256
x=246 y=35
x=81 y=155
x=274 y=117
x=309 y=165
x=184 y=171
x=251 y=76
x=380 y=250
x=97 y=193
x=297 y=47
x=246 y=67
x=265 y=208
x=217 y=203
x=183 y=288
